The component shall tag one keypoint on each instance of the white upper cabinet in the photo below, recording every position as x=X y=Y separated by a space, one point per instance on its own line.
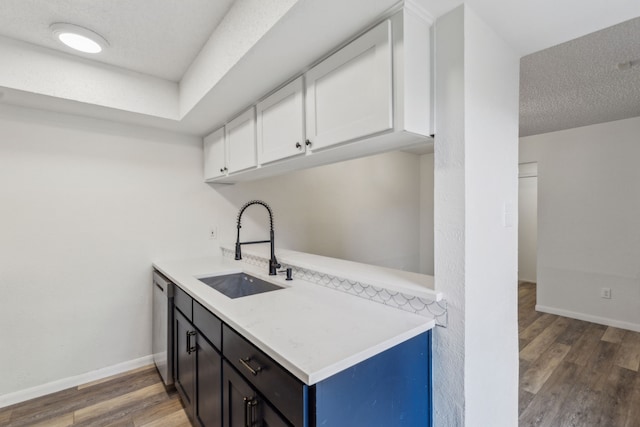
x=370 y=96
x=349 y=94
x=215 y=164
x=240 y=136
x=280 y=123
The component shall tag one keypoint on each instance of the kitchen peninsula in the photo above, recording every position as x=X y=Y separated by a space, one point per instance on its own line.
x=347 y=359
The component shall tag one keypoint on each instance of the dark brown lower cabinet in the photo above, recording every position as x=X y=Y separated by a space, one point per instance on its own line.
x=198 y=373
x=208 y=410
x=242 y=406
x=184 y=361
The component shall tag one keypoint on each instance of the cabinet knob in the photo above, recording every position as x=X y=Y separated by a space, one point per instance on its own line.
x=221 y=170
x=307 y=143
x=298 y=146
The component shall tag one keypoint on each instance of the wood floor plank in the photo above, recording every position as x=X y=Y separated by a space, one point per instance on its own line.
x=633 y=414
x=524 y=399
x=43 y=408
x=65 y=420
x=528 y=316
x=69 y=400
x=137 y=398
x=574 y=331
x=613 y=335
x=5 y=415
x=614 y=404
x=540 y=370
x=580 y=407
x=545 y=405
x=539 y=344
x=581 y=350
x=629 y=354
x=176 y=419
x=158 y=412
x=524 y=365
x=111 y=405
x=603 y=357
x=124 y=415
x=539 y=325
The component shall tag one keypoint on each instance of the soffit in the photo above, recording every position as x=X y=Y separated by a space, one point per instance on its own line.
x=301 y=31
x=160 y=38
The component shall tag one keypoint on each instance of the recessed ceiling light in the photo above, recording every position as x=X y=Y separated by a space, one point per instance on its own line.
x=79 y=38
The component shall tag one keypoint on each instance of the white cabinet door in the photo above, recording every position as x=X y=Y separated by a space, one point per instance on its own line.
x=281 y=123
x=214 y=160
x=349 y=94
x=240 y=135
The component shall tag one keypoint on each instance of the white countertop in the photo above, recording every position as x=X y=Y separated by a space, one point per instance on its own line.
x=312 y=331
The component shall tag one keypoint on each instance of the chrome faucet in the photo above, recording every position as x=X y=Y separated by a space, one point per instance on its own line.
x=273 y=262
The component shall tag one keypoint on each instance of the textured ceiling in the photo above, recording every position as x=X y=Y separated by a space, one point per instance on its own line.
x=156 y=37
x=578 y=83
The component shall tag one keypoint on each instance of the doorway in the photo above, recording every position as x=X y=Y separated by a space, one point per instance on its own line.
x=528 y=222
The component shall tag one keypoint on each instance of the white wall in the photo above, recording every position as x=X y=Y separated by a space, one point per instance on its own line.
x=528 y=222
x=426 y=214
x=86 y=207
x=589 y=221
x=476 y=159
x=365 y=210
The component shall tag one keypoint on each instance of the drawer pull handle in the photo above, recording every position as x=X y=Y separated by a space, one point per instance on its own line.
x=190 y=348
x=245 y=363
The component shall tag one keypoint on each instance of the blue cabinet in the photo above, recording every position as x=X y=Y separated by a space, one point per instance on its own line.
x=392 y=388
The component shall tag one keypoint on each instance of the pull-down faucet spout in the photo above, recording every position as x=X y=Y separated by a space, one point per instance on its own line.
x=273 y=262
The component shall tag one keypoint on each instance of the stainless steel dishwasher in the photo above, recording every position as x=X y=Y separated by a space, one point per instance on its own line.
x=162 y=338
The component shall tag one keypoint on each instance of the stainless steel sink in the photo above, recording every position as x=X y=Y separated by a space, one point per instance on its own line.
x=239 y=285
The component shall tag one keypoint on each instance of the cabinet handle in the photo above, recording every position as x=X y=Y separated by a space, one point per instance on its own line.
x=190 y=348
x=223 y=170
x=249 y=411
x=307 y=143
x=245 y=363
x=298 y=146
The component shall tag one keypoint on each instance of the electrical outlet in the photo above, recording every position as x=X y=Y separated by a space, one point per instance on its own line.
x=213 y=232
x=605 y=293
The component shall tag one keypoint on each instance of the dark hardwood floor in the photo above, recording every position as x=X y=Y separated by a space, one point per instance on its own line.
x=572 y=373
x=134 y=399
x=575 y=373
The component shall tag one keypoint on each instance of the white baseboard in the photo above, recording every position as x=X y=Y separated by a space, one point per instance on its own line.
x=65 y=383
x=590 y=318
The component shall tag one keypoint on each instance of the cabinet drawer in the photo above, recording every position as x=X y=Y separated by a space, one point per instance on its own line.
x=208 y=324
x=277 y=385
x=183 y=301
